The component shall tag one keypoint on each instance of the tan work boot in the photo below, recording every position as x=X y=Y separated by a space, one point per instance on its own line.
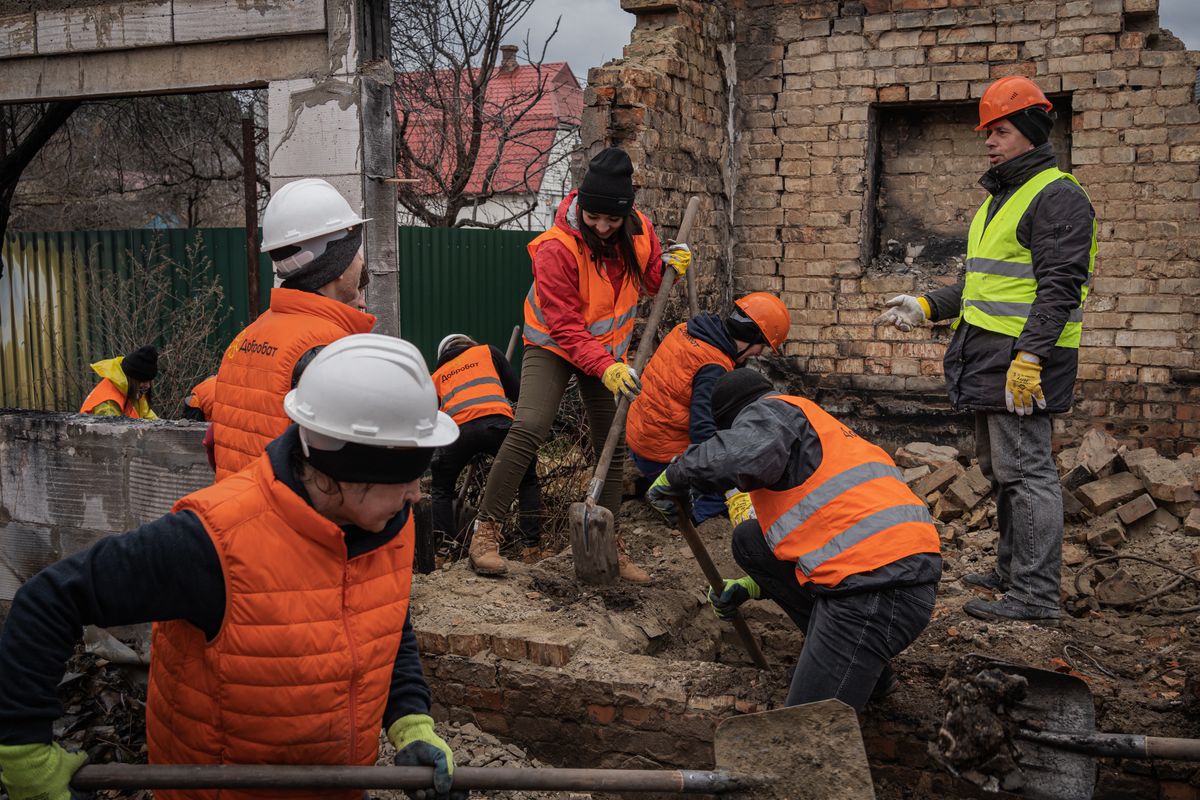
x=628 y=570
x=484 y=553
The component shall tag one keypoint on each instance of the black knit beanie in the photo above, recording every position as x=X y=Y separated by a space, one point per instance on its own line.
x=326 y=267
x=361 y=463
x=141 y=364
x=734 y=391
x=1034 y=123
x=607 y=187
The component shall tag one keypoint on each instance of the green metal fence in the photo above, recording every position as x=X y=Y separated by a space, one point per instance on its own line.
x=462 y=281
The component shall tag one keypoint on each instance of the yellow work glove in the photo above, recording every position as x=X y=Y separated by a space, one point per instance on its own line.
x=622 y=379
x=418 y=746
x=739 y=506
x=678 y=257
x=1024 y=384
x=38 y=771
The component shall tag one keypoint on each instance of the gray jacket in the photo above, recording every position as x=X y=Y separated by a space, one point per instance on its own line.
x=772 y=445
x=1057 y=229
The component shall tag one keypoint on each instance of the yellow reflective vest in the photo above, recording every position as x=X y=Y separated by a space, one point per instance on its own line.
x=1000 y=284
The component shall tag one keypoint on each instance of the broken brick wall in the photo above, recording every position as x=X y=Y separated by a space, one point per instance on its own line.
x=821 y=90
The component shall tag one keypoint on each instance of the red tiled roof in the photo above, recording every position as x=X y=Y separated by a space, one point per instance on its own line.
x=526 y=141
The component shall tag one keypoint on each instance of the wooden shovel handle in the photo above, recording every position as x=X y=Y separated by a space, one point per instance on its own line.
x=645 y=348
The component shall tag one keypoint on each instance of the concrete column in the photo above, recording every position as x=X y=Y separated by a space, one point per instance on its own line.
x=338 y=125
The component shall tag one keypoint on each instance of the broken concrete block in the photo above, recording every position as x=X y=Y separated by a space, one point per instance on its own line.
x=1156 y=524
x=937 y=480
x=947 y=509
x=1191 y=526
x=1097 y=452
x=1105 y=533
x=1077 y=476
x=1180 y=510
x=1191 y=468
x=1073 y=510
x=1118 y=589
x=1067 y=459
x=1108 y=493
x=914 y=473
x=1073 y=555
x=1132 y=458
x=1136 y=508
x=915 y=454
x=969 y=489
x=1165 y=481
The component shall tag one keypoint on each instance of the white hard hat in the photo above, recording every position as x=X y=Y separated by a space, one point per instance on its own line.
x=369 y=389
x=449 y=340
x=308 y=213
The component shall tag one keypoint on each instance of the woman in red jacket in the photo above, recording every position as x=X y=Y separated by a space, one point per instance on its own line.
x=589 y=270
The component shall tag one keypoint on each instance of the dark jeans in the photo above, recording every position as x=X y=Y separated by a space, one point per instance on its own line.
x=704 y=506
x=475 y=438
x=848 y=638
x=1014 y=454
x=544 y=378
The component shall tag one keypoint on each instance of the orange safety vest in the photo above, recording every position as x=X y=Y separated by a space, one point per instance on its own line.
x=107 y=390
x=611 y=323
x=853 y=514
x=203 y=395
x=301 y=668
x=657 y=426
x=256 y=371
x=468 y=386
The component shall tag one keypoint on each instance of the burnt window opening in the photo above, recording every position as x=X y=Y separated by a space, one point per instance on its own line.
x=925 y=165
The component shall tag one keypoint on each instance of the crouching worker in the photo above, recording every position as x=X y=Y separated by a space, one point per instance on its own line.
x=279 y=597
x=674 y=409
x=124 y=387
x=476 y=387
x=840 y=542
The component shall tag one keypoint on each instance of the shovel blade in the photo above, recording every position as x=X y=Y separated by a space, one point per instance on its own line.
x=812 y=751
x=593 y=544
x=1059 y=703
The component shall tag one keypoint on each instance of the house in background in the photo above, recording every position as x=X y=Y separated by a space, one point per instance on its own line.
x=530 y=131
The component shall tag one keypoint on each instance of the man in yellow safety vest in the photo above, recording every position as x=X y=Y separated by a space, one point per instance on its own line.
x=1018 y=317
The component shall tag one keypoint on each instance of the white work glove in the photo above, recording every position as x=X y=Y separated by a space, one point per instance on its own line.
x=904 y=311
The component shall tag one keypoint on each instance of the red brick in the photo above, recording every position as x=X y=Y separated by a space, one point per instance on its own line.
x=602 y=714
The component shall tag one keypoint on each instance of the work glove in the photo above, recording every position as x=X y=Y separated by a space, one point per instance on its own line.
x=725 y=605
x=38 y=771
x=1024 y=384
x=739 y=507
x=678 y=257
x=621 y=379
x=905 y=312
x=418 y=746
x=662 y=496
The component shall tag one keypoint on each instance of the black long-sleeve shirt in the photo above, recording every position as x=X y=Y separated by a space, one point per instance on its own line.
x=165 y=570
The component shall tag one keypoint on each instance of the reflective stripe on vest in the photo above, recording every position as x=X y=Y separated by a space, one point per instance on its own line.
x=853 y=514
x=468 y=386
x=1000 y=286
x=659 y=424
x=608 y=312
x=301 y=668
x=105 y=391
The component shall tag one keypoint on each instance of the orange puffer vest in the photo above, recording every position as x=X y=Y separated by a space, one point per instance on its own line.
x=611 y=323
x=203 y=395
x=300 y=671
x=468 y=386
x=107 y=390
x=853 y=514
x=256 y=371
x=657 y=427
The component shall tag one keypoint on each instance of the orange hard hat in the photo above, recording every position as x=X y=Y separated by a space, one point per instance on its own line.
x=770 y=315
x=1008 y=95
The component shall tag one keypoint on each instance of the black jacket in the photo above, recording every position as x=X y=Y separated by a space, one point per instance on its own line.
x=167 y=569
x=1057 y=229
x=772 y=445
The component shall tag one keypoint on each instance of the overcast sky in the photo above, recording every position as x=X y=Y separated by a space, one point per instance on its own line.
x=594 y=31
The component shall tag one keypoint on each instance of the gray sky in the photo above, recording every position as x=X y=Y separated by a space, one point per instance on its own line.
x=594 y=31
x=1182 y=18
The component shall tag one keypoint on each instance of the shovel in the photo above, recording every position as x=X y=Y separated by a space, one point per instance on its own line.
x=464 y=512
x=716 y=583
x=807 y=752
x=1059 y=761
x=593 y=530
